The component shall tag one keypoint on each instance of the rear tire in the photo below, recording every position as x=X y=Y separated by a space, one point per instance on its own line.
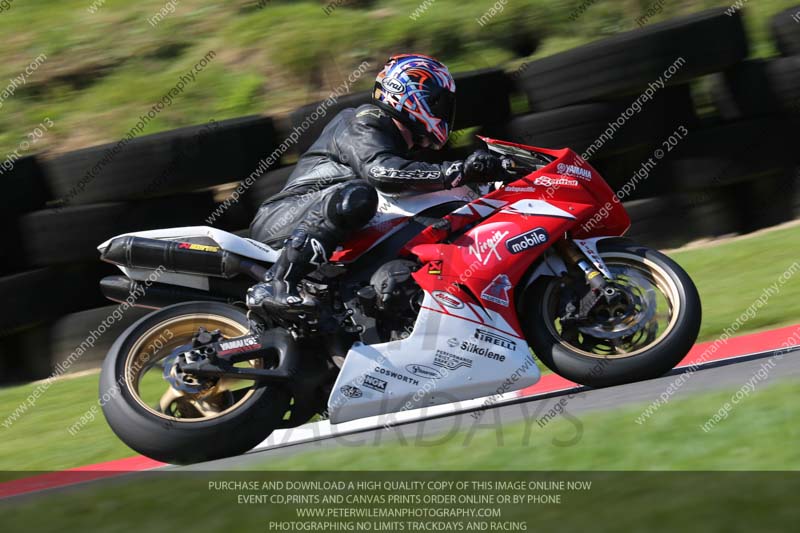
x=605 y=371
x=169 y=439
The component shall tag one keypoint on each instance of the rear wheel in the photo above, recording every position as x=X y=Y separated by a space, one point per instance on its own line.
x=642 y=334
x=180 y=418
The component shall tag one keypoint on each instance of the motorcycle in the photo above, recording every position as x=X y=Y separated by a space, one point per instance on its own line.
x=442 y=297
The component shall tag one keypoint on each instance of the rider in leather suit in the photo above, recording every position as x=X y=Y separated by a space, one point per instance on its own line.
x=331 y=193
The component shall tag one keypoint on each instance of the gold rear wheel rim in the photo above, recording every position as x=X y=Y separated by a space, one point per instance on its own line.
x=159 y=342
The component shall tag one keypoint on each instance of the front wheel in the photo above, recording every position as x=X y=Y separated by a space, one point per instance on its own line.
x=643 y=333
x=180 y=418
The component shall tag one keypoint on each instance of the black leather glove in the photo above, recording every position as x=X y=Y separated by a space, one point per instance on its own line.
x=482 y=166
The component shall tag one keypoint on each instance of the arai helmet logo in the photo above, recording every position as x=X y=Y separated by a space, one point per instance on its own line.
x=393 y=85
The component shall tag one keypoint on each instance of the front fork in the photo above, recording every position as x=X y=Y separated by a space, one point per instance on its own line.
x=583 y=255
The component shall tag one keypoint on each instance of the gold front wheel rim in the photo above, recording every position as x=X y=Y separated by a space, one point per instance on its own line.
x=669 y=304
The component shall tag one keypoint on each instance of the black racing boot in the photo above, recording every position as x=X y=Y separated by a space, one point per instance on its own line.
x=278 y=293
x=345 y=208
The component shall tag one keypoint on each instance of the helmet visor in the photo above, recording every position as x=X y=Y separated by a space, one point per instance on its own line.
x=443 y=106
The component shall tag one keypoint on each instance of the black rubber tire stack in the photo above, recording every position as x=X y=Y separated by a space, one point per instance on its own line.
x=785 y=29
x=735 y=170
x=626 y=63
x=57 y=210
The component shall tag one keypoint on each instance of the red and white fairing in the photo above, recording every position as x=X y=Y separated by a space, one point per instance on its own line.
x=392 y=212
x=457 y=351
x=467 y=341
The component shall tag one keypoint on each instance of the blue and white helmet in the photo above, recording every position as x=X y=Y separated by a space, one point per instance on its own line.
x=420 y=92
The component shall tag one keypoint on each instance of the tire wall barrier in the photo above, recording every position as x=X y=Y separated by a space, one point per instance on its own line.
x=729 y=165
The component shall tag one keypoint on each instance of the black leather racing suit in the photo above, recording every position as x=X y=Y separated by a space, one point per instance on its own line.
x=332 y=193
x=359 y=147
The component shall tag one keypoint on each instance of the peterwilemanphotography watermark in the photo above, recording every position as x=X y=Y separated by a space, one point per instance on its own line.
x=168 y=98
x=275 y=156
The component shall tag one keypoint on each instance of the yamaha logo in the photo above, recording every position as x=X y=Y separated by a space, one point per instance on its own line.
x=238 y=345
x=393 y=85
x=575 y=171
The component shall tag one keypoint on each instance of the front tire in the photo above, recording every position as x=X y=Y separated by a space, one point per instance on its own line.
x=596 y=362
x=177 y=427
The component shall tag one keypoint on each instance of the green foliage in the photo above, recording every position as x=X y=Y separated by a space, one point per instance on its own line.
x=105 y=68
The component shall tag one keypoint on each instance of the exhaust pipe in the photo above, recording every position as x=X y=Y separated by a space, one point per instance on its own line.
x=180 y=257
x=156 y=296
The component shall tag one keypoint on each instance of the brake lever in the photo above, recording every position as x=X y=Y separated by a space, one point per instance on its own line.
x=512 y=169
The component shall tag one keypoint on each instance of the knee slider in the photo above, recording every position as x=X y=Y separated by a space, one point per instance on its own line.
x=353 y=205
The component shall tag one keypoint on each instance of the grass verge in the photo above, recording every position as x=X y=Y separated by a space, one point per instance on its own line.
x=758 y=436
